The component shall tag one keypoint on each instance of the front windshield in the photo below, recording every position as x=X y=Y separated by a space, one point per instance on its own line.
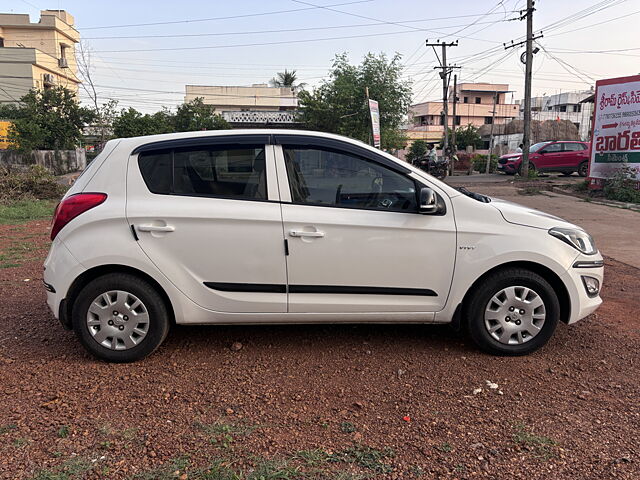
x=538 y=146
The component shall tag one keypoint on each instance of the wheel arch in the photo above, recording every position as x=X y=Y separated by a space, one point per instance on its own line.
x=98 y=271
x=545 y=272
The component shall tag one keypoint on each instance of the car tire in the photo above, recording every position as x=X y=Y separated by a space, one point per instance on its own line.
x=583 y=169
x=120 y=318
x=532 y=168
x=530 y=306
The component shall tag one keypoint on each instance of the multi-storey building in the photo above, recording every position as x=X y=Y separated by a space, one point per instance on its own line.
x=564 y=106
x=37 y=55
x=475 y=102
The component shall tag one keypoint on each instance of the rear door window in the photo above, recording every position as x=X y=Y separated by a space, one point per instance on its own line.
x=573 y=147
x=211 y=171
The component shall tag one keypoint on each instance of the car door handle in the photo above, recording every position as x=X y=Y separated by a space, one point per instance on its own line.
x=156 y=228
x=303 y=233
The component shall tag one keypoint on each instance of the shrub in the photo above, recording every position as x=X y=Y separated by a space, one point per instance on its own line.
x=480 y=163
x=622 y=186
x=36 y=183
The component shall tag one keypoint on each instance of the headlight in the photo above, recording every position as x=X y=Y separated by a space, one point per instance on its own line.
x=578 y=239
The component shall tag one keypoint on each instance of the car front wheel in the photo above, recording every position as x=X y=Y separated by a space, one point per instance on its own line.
x=120 y=318
x=512 y=312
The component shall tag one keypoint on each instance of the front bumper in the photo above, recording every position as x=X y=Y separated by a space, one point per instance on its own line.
x=582 y=304
x=507 y=168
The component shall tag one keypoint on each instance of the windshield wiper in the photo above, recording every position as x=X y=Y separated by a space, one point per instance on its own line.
x=476 y=196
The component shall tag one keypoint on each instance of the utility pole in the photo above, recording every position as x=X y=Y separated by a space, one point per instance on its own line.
x=453 y=127
x=444 y=75
x=493 y=121
x=526 y=136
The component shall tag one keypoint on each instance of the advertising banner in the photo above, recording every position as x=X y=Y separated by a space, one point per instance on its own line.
x=375 y=122
x=616 y=127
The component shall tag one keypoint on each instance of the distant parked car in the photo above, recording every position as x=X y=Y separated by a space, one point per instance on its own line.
x=564 y=157
x=285 y=226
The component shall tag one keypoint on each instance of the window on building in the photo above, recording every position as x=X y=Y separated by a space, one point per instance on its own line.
x=457 y=120
x=63 y=51
x=1 y=42
x=488 y=120
x=577 y=108
x=563 y=108
x=478 y=100
x=465 y=99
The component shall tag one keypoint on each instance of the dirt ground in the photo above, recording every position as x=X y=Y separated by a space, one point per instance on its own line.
x=332 y=402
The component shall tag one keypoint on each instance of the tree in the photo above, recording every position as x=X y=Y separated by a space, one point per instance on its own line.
x=339 y=104
x=467 y=136
x=284 y=79
x=50 y=119
x=191 y=116
x=195 y=115
x=132 y=123
x=417 y=150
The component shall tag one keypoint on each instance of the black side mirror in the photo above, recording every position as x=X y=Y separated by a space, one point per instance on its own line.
x=428 y=201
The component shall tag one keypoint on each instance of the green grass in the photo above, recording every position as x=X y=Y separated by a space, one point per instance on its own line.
x=444 y=447
x=366 y=457
x=16 y=254
x=72 y=469
x=347 y=427
x=7 y=428
x=25 y=210
x=63 y=431
x=543 y=447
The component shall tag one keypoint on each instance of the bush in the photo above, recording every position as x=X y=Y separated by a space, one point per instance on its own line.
x=480 y=163
x=35 y=183
x=622 y=186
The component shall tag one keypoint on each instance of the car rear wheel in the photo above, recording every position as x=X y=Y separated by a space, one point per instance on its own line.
x=583 y=169
x=512 y=312
x=120 y=318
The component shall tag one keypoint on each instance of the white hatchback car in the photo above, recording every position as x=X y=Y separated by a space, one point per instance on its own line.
x=281 y=226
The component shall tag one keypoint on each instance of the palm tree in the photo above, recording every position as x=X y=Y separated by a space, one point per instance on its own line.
x=285 y=79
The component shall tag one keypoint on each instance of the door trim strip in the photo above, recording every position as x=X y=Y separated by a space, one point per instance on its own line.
x=322 y=289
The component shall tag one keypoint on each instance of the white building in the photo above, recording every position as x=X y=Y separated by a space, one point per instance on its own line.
x=249 y=106
x=563 y=106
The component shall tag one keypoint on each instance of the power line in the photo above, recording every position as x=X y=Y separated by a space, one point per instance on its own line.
x=230 y=17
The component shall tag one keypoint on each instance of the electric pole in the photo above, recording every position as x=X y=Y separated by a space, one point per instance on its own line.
x=526 y=136
x=445 y=76
x=453 y=126
x=493 y=121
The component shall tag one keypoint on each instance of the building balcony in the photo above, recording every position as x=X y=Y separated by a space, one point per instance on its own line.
x=247 y=118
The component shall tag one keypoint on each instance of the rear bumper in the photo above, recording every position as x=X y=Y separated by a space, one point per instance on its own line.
x=60 y=269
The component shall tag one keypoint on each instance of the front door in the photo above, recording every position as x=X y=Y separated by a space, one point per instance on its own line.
x=355 y=238
x=550 y=157
x=208 y=216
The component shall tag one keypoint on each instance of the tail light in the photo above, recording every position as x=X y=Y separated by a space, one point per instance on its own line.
x=73 y=206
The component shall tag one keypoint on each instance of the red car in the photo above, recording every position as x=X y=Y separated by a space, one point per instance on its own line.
x=564 y=157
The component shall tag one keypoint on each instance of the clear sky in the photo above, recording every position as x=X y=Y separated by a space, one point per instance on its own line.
x=239 y=43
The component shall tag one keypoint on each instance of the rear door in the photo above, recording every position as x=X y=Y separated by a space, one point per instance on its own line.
x=575 y=154
x=208 y=216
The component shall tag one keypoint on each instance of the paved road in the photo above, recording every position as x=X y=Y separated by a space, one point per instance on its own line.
x=614 y=229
